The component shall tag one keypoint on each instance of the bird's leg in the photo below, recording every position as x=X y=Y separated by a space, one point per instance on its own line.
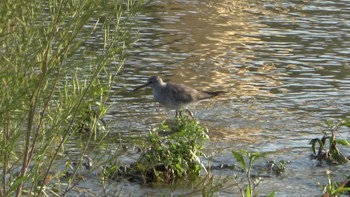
x=189 y=113
x=177 y=114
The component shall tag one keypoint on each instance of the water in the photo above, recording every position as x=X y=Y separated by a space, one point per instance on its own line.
x=285 y=65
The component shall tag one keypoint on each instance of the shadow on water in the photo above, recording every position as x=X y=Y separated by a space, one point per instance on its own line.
x=285 y=65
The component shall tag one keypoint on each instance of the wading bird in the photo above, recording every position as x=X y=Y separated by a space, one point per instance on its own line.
x=176 y=96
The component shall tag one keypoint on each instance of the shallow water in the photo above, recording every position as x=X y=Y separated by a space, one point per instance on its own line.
x=285 y=65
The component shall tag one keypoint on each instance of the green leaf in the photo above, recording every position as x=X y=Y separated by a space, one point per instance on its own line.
x=342 y=142
x=256 y=155
x=179 y=168
x=313 y=144
x=346 y=122
x=272 y=194
x=239 y=157
x=17 y=182
x=329 y=123
x=248 y=191
x=341 y=190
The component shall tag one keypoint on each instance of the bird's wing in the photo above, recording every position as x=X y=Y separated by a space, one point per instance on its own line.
x=181 y=93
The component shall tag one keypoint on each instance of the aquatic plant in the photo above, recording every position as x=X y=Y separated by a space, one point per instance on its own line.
x=246 y=161
x=58 y=63
x=334 y=188
x=166 y=158
x=278 y=168
x=328 y=145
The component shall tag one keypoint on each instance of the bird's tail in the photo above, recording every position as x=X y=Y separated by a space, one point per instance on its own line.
x=212 y=94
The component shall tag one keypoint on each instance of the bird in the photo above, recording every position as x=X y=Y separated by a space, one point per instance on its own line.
x=176 y=96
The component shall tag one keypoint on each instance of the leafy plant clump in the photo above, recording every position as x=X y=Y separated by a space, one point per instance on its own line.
x=278 y=168
x=166 y=158
x=328 y=145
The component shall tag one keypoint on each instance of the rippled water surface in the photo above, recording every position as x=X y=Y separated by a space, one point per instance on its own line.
x=285 y=65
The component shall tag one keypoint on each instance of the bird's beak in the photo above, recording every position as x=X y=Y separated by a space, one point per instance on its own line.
x=142 y=86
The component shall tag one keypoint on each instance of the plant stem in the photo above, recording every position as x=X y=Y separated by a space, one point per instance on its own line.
x=24 y=168
x=249 y=177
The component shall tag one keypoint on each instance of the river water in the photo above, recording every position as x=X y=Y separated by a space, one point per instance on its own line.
x=284 y=64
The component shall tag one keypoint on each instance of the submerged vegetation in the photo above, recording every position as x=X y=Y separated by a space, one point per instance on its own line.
x=328 y=146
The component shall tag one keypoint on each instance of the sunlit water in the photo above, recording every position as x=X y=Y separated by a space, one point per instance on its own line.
x=285 y=65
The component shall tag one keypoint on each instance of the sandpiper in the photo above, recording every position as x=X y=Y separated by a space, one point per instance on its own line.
x=176 y=96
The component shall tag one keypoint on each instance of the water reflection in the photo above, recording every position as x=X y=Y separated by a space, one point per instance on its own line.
x=283 y=54
x=284 y=63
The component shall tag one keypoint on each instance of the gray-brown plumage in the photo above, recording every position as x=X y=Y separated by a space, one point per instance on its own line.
x=176 y=96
